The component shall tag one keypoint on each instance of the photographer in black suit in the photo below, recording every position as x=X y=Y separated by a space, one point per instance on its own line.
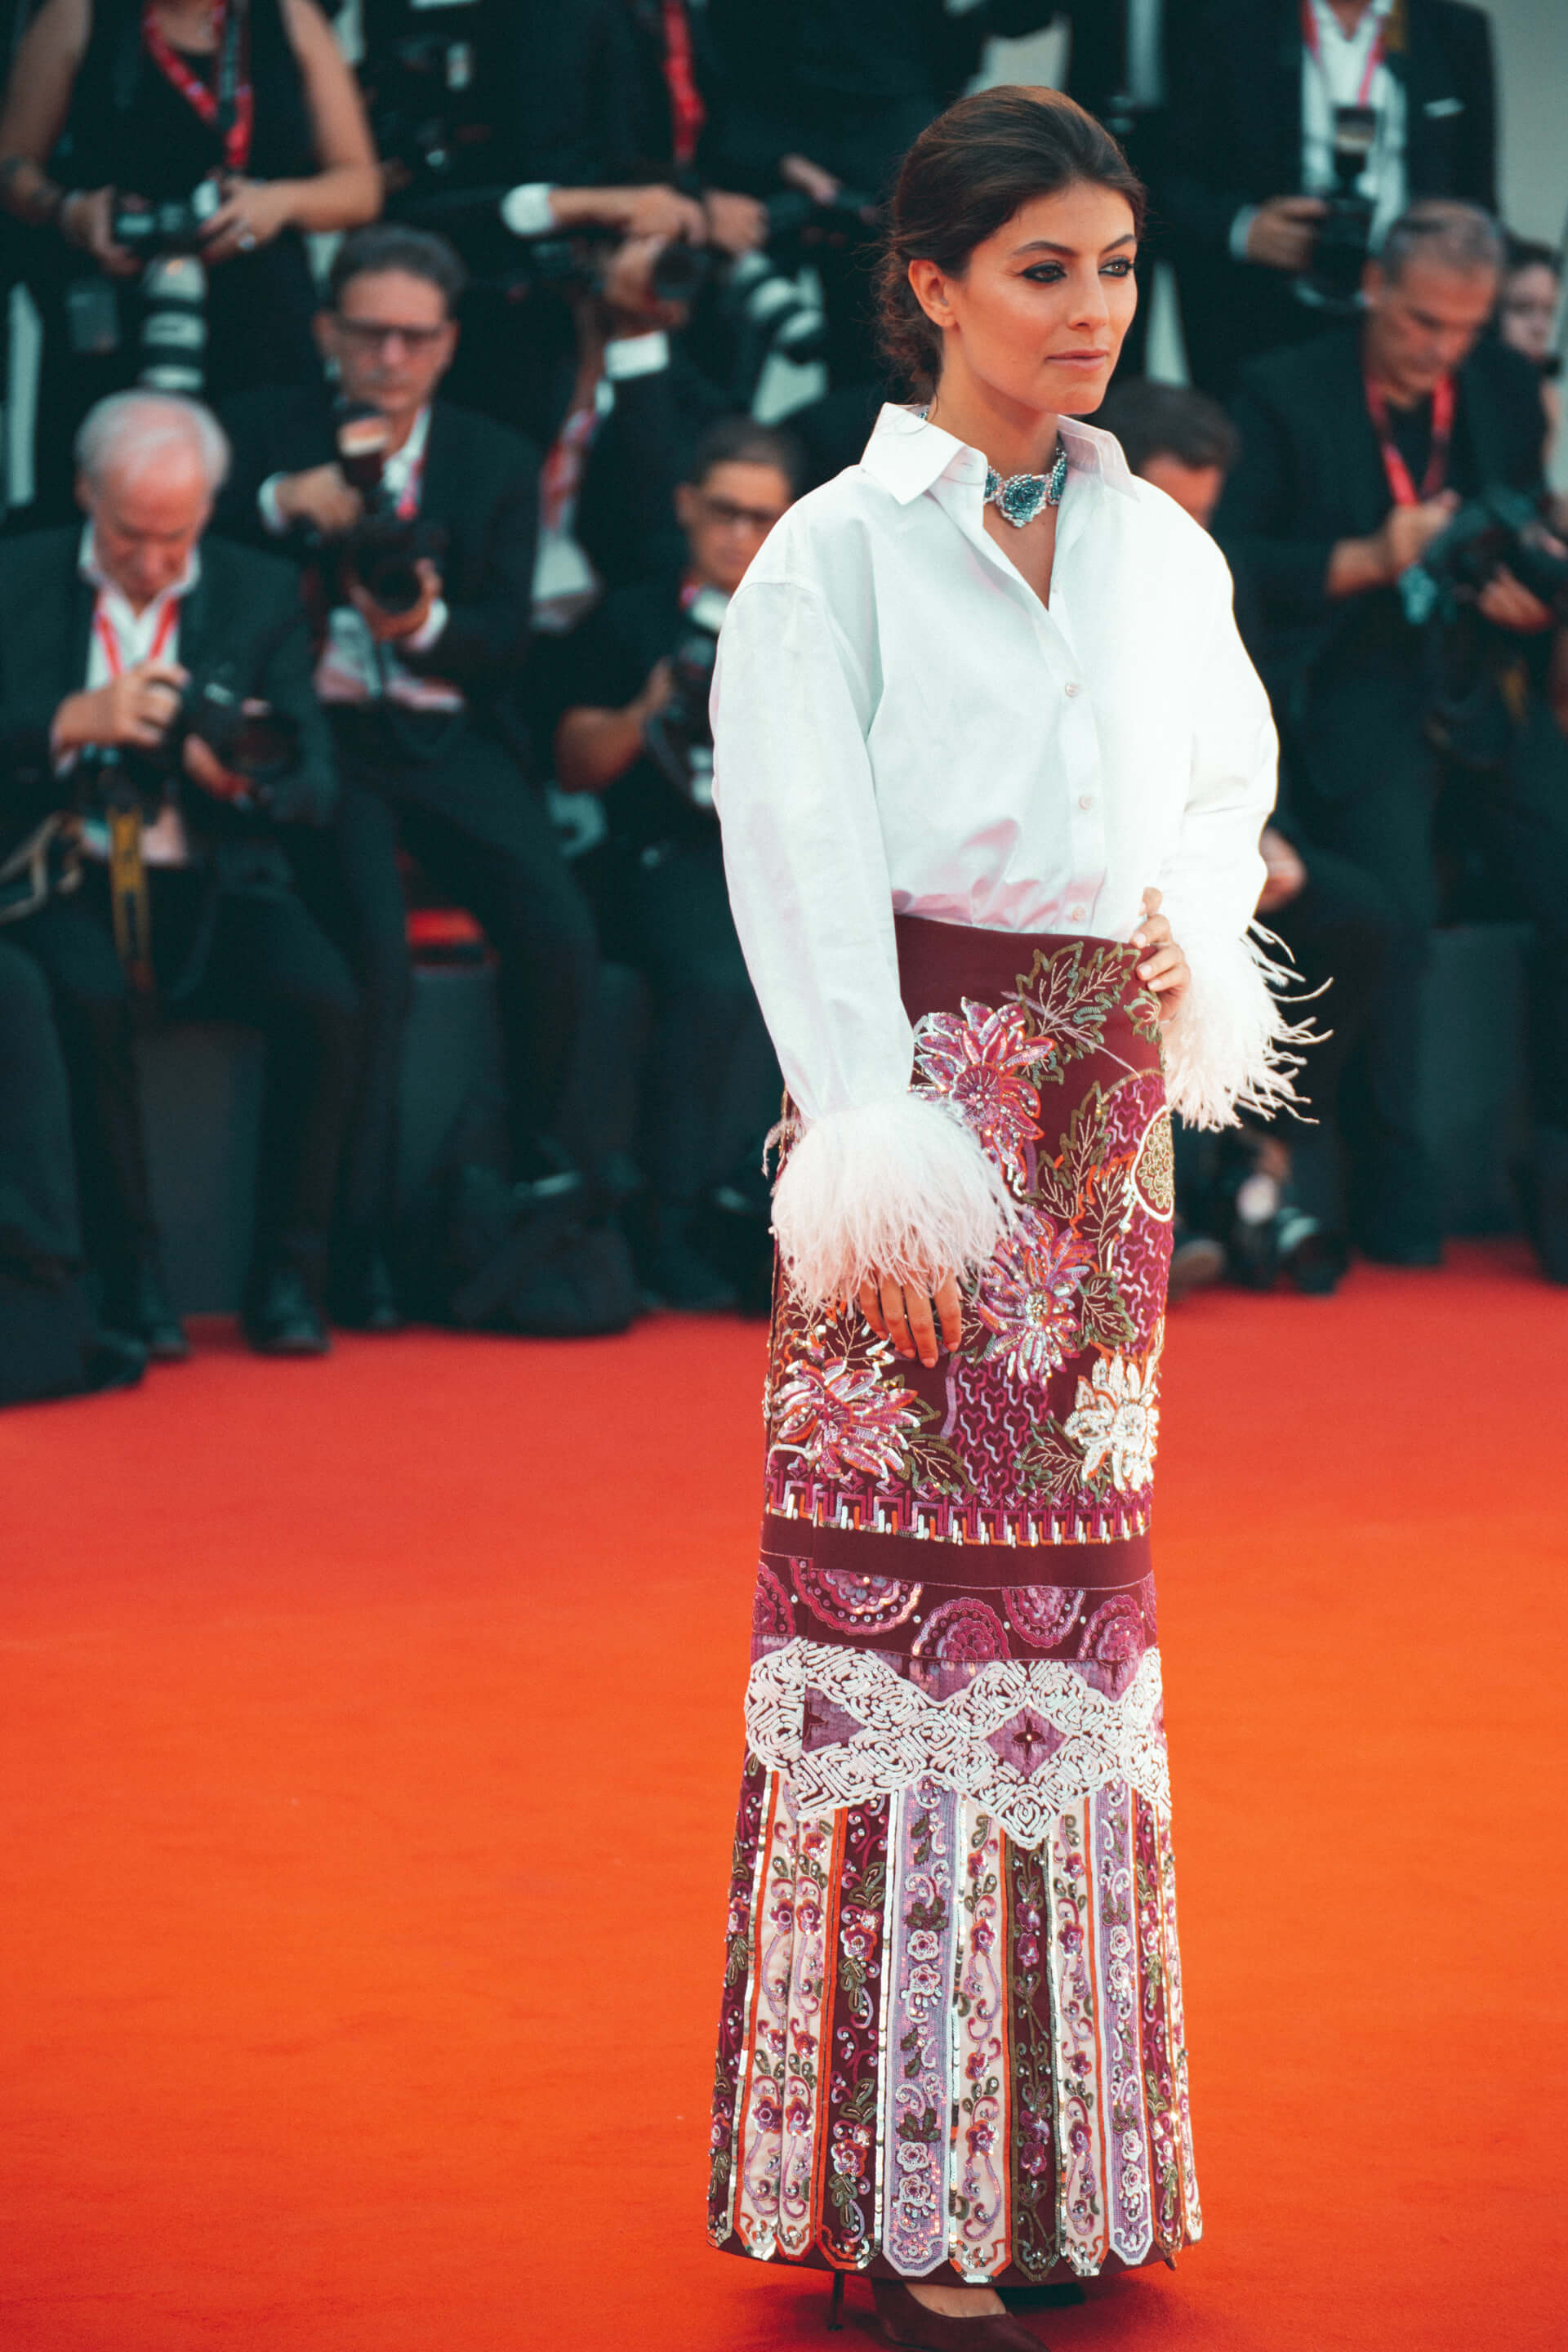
x=415 y=671
x=1357 y=450
x=632 y=690
x=135 y=650
x=1260 y=91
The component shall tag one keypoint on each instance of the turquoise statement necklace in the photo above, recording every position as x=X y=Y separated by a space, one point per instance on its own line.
x=1019 y=498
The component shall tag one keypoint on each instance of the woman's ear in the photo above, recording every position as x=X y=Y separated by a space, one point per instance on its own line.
x=929 y=289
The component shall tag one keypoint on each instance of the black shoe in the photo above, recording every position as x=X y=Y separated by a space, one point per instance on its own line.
x=1408 y=1249
x=282 y=1318
x=1541 y=1184
x=141 y=1313
x=367 y=1301
x=111 y=1361
x=1197 y=1261
x=675 y=1274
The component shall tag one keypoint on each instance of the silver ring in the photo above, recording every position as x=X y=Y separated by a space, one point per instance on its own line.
x=247 y=239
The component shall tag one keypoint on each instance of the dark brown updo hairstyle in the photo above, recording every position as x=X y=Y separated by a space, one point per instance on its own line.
x=968 y=172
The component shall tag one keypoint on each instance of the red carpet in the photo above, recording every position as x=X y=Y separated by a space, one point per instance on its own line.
x=369 y=1735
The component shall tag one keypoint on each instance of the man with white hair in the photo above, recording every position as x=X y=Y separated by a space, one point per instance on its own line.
x=177 y=891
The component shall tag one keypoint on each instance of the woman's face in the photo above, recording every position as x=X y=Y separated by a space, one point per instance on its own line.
x=1528 y=310
x=1040 y=313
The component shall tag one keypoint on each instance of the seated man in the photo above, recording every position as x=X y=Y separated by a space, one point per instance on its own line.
x=108 y=638
x=417 y=659
x=1356 y=451
x=1332 y=917
x=633 y=694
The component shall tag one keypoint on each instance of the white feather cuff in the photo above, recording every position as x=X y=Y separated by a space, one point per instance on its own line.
x=901 y=1186
x=1231 y=1044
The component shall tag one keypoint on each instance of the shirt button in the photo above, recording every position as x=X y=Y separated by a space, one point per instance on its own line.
x=1072 y=687
x=1086 y=800
x=1077 y=914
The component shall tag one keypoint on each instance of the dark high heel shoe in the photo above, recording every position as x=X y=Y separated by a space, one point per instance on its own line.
x=901 y=2320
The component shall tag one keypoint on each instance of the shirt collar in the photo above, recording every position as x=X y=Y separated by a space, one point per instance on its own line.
x=906 y=455
x=408 y=459
x=93 y=573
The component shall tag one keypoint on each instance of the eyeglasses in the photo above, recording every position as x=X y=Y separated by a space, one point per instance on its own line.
x=734 y=518
x=370 y=334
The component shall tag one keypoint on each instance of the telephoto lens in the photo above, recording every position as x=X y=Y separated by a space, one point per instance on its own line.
x=174 y=325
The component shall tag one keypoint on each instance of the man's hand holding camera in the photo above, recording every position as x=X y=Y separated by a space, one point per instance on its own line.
x=391 y=628
x=1280 y=233
x=322 y=498
x=134 y=712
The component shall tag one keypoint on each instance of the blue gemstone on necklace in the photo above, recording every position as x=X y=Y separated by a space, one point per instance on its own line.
x=1021 y=497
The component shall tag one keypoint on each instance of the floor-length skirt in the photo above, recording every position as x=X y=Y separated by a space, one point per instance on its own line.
x=950 y=2043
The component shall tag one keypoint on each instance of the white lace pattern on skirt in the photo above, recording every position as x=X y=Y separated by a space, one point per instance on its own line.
x=1026 y=1738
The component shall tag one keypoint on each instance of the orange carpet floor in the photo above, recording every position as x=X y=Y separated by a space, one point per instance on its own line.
x=369 y=1734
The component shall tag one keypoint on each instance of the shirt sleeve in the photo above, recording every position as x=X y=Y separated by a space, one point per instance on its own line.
x=1231 y=1042
x=878 y=1178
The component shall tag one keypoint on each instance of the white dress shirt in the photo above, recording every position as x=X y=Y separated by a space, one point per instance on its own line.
x=901 y=724
x=135 y=636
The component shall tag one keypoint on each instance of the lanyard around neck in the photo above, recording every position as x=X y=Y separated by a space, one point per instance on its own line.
x=1312 y=41
x=1405 y=493
x=103 y=629
x=229 y=106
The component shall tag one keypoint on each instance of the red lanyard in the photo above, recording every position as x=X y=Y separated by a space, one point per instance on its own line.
x=1405 y=493
x=1310 y=37
x=687 y=112
x=231 y=78
x=408 y=497
x=104 y=632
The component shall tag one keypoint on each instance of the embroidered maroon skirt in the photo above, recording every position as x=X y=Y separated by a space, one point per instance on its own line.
x=950 y=2043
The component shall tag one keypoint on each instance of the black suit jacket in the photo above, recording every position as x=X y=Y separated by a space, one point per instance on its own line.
x=245 y=610
x=1237 y=88
x=480 y=484
x=1310 y=473
x=1235 y=140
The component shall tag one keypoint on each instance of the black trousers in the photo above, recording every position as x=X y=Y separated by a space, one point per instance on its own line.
x=268 y=966
x=713 y=1084
x=1393 y=809
x=46 y=1329
x=484 y=837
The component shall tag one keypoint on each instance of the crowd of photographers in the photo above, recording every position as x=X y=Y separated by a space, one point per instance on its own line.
x=403 y=583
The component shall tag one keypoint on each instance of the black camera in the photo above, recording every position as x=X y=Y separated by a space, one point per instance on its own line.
x=1344 y=237
x=383 y=550
x=249 y=737
x=679 y=737
x=176 y=224
x=1501 y=531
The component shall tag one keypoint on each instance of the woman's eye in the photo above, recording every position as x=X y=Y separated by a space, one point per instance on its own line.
x=1045 y=273
x=1121 y=268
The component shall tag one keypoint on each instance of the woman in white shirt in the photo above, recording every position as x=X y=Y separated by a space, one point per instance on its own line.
x=986 y=749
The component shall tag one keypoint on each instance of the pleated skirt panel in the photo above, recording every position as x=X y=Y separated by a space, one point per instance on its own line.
x=951 y=2042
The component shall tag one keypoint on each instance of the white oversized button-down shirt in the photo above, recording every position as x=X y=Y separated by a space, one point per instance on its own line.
x=899 y=723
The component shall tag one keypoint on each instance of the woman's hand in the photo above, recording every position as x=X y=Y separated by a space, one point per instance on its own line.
x=252 y=214
x=912 y=1314
x=1165 y=970
x=87 y=220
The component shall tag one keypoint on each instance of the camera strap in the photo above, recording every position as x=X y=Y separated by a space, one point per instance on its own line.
x=128 y=899
x=228 y=105
x=1405 y=493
